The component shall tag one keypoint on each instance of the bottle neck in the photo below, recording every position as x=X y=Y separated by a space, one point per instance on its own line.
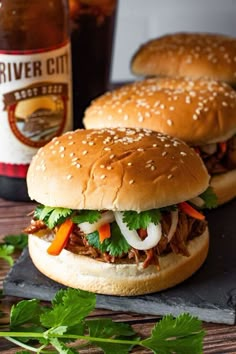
x=33 y=24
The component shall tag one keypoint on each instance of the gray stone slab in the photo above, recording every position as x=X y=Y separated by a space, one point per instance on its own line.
x=209 y=294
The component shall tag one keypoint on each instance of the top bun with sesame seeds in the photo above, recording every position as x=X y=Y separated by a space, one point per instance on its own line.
x=120 y=169
x=115 y=214
x=201 y=112
x=193 y=55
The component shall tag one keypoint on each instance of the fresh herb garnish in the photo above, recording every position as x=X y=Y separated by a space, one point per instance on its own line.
x=52 y=216
x=90 y=216
x=116 y=245
x=19 y=241
x=6 y=252
x=11 y=244
x=65 y=321
x=135 y=220
x=210 y=198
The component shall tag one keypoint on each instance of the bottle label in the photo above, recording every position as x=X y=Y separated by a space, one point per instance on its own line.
x=35 y=104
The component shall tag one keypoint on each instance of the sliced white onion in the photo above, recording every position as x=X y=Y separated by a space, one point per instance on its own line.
x=107 y=217
x=174 y=222
x=198 y=201
x=209 y=148
x=153 y=234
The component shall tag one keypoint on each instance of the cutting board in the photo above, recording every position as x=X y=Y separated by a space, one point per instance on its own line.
x=209 y=294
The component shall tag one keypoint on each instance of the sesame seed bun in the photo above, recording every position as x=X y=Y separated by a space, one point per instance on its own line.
x=115 y=169
x=195 y=111
x=193 y=55
x=118 y=279
x=199 y=112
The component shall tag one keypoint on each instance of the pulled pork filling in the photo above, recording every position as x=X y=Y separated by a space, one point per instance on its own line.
x=187 y=229
x=219 y=157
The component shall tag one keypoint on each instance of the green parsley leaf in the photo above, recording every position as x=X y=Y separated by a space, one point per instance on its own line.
x=6 y=252
x=19 y=241
x=116 y=245
x=69 y=307
x=135 y=220
x=209 y=198
x=90 y=216
x=52 y=216
x=179 y=335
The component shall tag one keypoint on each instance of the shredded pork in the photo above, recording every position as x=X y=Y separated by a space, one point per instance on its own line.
x=187 y=229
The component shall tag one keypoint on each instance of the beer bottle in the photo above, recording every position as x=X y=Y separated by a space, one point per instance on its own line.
x=35 y=85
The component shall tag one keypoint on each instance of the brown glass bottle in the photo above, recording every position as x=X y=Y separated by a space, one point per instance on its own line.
x=35 y=85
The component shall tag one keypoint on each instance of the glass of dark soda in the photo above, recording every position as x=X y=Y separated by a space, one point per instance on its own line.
x=92 y=33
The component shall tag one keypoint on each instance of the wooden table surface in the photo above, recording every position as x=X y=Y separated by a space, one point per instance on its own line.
x=14 y=217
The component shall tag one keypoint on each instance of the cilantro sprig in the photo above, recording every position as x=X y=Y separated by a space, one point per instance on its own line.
x=141 y=220
x=116 y=245
x=65 y=321
x=210 y=198
x=52 y=216
x=10 y=245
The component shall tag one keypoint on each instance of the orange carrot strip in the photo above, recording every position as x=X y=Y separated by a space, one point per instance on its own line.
x=61 y=237
x=104 y=232
x=223 y=147
x=189 y=210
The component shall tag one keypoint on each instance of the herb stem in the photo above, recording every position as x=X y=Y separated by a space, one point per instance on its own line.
x=32 y=335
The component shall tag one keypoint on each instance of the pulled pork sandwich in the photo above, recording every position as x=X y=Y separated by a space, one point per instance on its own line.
x=193 y=55
x=116 y=213
x=200 y=112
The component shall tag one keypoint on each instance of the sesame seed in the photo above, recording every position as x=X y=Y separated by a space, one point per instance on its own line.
x=103 y=176
x=107 y=148
x=102 y=166
x=183 y=153
x=109 y=168
x=169 y=122
x=169 y=176
x=131 y=181
x=78 y=165
x=68 y=176
x=195 y=117
x=153 y=168
x=84 y=152
x=164 y=153
x=129 y=164
x=225 y=104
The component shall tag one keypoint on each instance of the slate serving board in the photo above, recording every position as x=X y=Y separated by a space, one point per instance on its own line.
x=209 y=294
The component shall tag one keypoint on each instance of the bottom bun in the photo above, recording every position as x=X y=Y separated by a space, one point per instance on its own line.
x=118 y=279
x=224 y=186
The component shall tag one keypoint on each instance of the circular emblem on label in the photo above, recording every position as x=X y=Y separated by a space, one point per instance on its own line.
x=35 y=121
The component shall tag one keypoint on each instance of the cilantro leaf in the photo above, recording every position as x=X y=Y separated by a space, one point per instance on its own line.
x=135 y=220
x=6 y=252
x=116 y=245
x=106 y=328
x=19 y=241
x=181 y=335
x=209 y=198
x=90 y=216
x=61 y=347
x=69 y=307
x=25 y=311
x=52 y=216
